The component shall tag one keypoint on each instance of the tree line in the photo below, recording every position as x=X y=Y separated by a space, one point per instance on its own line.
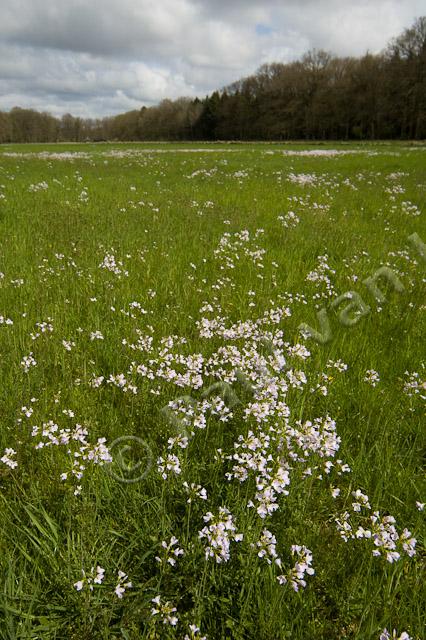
x=321 y=96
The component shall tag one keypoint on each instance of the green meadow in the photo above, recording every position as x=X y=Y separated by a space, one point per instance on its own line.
x=181 y=457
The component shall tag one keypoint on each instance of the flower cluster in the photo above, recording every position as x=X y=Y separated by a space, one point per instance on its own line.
x=302 y=567
x=110 y=263
x=266 y=548
x=385 y=635
x=194 y=491
x=219 y=534
x=414 y=385
x=372 y=377
x=194 y=633
x=165 y=611
x=96 y=576
x=167 y=465
x=379 y=530
x=80 y=451
x=170 y=552
x=28 y=361
x=122 y=585
x=8 y=458
x=289 y=220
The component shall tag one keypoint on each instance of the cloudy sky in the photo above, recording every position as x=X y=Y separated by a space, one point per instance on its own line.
x=100 y=57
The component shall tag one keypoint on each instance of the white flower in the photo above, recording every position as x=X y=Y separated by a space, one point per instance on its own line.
x=165 y=611
x=362 y=500
x=100 y=574
x=28 y=361
x=68 y=344
x=170 y=464
x=96 y=382
x=194 y=632
x=302 y=567
x=266 y=546
x=94 y=577
x=7 y=458
x=385 y=635
x=96 y=335
x=171 y=552
x=195 y=491
x=372 y=377
x=219 y=534
x=121 y=587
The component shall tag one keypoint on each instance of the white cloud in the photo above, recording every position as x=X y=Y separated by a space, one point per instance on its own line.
x=107 y=56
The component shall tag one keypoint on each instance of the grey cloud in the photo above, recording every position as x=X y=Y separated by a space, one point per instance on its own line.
x=107 y=56
x=154 y=30
x=79 y=79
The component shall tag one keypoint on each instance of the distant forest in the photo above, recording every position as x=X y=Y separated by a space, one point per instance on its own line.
x=320 y=97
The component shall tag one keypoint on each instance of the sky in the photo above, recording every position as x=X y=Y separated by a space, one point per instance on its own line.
x=94 y=58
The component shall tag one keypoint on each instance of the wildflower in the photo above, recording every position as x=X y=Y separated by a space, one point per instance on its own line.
x=195 y=491
x=362 y=500
x=96 y=382
x=122 y=585
x=180 y=441
x=98 y=453
x=194 y=633
x=381 y=531
x=266 y=546
x=219 y=534
x=302 y=567
x=414 y=385
x=68 y=344
x=300 y=351
x=171 y=552
x=165 y=611
x=98 y=579
x=96 y=335
x=169 y=464
x=337 y=364
x=109 y=263
x=372 y=377
x=385 y=635
x=96 y=576
x=28 y=361
x=27 y=411
x=7 y=458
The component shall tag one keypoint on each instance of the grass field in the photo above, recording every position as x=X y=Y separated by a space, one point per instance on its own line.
x=166 y=420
